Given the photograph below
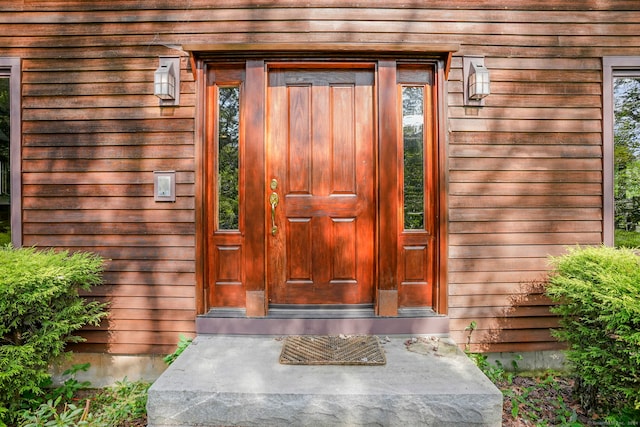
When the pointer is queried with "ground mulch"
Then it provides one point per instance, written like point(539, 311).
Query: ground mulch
point(542, 403)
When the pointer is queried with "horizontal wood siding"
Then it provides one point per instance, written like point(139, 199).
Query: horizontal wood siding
point(525, 182)
point(92, 136)
point(525, 171)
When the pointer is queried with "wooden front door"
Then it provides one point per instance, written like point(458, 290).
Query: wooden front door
point(321, 184)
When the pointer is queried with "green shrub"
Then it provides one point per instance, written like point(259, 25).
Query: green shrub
point(40, 309)
point(183, 343)
point(597, 293)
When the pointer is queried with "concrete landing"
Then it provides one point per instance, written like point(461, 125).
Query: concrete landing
point(237, 381)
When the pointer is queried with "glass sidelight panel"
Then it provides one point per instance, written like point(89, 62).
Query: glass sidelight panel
point(413, 143)
point(228, 157)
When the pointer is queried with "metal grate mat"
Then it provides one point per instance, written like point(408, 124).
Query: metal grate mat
point(332, 350)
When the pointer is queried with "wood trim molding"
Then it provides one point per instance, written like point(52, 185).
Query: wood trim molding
point(388, 164)
point(426, 50)
point(440, 300)
point(366, 50)
point(200, 197)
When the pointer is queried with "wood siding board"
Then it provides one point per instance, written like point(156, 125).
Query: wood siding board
point(540, 113)
point(499, 264)
point(180, 253)
point(107, 165)
point(498, 312)
point(149, 278)
point(523, 250)
point(108, 152)
point(381, 12)
point(106, 215)
point(114, 240)
point(517, 189)
point(523, 202)
point(106, 190)
point(103, 113)
point(528, 5)
point(133, 302)
point(483, 239)
point(76, 102)
point(492, 176)
point(530, 164)
point(526, 138)
point(107, 126)
point(504, 288)
point(488, 278)
point(455, 99)
point(506, 125)
point(460, 228)
point(151, 314)
point(95, 202)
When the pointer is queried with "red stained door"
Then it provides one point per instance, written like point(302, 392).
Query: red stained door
point(320, 180)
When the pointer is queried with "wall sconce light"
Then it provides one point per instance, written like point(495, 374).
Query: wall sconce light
point(166, 81)
point(476, 80)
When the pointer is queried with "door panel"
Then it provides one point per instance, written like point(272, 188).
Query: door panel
point(320, 136)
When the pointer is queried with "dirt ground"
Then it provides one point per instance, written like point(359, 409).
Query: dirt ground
point(538, 403)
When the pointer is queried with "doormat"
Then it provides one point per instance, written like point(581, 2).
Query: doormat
point(332, 350)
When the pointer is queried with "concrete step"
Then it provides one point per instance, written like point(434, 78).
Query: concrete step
point(237, 381)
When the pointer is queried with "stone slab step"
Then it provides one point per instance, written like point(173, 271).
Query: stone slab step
point(223, 380)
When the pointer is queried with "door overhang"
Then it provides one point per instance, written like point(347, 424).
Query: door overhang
point(352, 51)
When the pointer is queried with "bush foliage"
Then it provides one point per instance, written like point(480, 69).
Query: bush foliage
point(596, 290)
point(40, 309)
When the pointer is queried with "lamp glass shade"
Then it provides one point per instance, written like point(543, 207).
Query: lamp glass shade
point(164, 86)
point(479, 84)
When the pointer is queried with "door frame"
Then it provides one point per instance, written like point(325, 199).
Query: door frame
point(386, 57)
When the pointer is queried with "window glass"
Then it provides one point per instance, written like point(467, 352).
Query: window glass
point(5, 175)
point(413, 143)
point(626, 170)
point(228, 157)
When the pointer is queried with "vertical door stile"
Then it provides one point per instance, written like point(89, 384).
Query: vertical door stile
point(388, 189)
point(254, 262)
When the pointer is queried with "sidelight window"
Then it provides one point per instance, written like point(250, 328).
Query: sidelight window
point(413, 155)
point(228, 157)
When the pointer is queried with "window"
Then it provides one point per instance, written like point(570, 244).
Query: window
point(10, 208)
point(228, 157)
point(413, 149)
point(622, 151)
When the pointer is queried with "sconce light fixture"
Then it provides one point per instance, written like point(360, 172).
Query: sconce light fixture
point(476, 80)
point(166, 81)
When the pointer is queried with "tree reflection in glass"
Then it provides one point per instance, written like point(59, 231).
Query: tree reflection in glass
point(413, 139)
point(228, 157)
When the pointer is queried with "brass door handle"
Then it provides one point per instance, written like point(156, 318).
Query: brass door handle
point(273, 200)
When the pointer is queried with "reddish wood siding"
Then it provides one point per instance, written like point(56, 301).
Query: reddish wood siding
point(525, 182)
point(525, 171)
